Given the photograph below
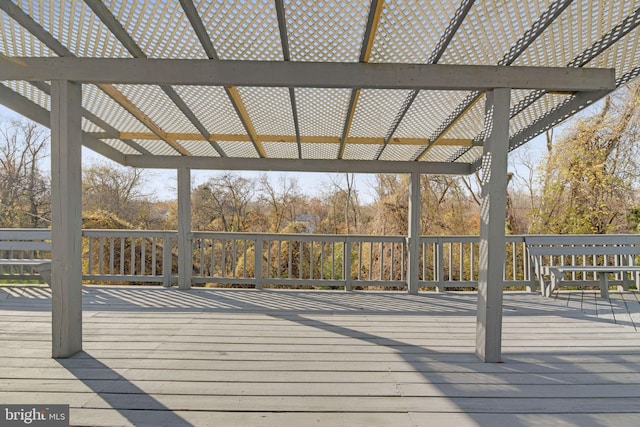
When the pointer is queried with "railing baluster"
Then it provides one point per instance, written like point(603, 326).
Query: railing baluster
point(359, 260)
point(234, 257)
point(311, 259)
point(381, 260)
point(122, 255)
point(257, 271)
point(224, 258)
point(90, 266)
point(143, 256)
point(111, 255)
point(393, 261)
point(290, 261)
point(101, 256)
point(132, 265)
point(154, 249)
point(244, 258)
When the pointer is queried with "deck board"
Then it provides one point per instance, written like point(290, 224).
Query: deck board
point(157, 356)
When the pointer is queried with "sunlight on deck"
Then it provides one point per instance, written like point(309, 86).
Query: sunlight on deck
point(156, 356)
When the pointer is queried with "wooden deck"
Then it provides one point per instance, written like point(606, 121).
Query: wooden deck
point(156, 356)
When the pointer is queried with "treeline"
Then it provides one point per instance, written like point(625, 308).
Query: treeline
point(586, 183)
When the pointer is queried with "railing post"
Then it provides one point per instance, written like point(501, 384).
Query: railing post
point(257, 260)
point(185, 247)
point(414, 233)
point(346, 264)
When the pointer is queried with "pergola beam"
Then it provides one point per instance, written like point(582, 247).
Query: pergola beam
point(304, 74)
point(298, 165)
point(311, 139)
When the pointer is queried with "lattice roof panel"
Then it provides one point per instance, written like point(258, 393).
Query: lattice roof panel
point(212, 107)
point(160, 28)
point(120, 146)
point(238, 149)
point(155, 104)
point(490, 29)
point(322, 112)
point(428, 111)
point(243, 30)
point(30, 92)
point(559, 33)
point(376, 112)
point(199, 148)
point(269, 109)
point(403, 153)
point(440, 153)
point(76, 27)
point(157, 147)
point(17, 41)
point(469, 156)
point(100, 104)
point(279, 150)
point(326, 30)
point(409, 31)
point(320, 150)
point(361, 151)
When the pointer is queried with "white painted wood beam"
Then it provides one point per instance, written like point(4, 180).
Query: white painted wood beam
point(492, 223)
point(304, 74)
point(297, 165)
point(66, 218)
point(413, 260)
point(185, 251)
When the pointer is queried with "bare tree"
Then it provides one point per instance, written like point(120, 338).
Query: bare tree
point(24, 187)
point(115, 190)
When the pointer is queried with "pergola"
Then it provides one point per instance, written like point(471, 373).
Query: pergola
point(416, 87)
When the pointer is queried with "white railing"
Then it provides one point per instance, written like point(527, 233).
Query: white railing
point(294, 259)
point(124, 256)
point(301, 260)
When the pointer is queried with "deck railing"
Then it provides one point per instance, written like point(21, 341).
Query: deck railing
point(303, 260)
point(293, 259)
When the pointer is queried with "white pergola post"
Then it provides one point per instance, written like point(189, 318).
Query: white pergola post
point(414, 233)
point(66, 217)
point(492, 223)
point(185, 251)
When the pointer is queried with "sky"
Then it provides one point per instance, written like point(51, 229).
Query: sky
point(161, 184)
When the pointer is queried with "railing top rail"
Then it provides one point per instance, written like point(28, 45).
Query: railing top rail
point(25, 234)
point(294, 236)
point(127, 233)
point(583, 239)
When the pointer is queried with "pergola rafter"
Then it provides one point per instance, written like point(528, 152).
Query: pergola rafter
point(367, 44)
point(284, 40)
